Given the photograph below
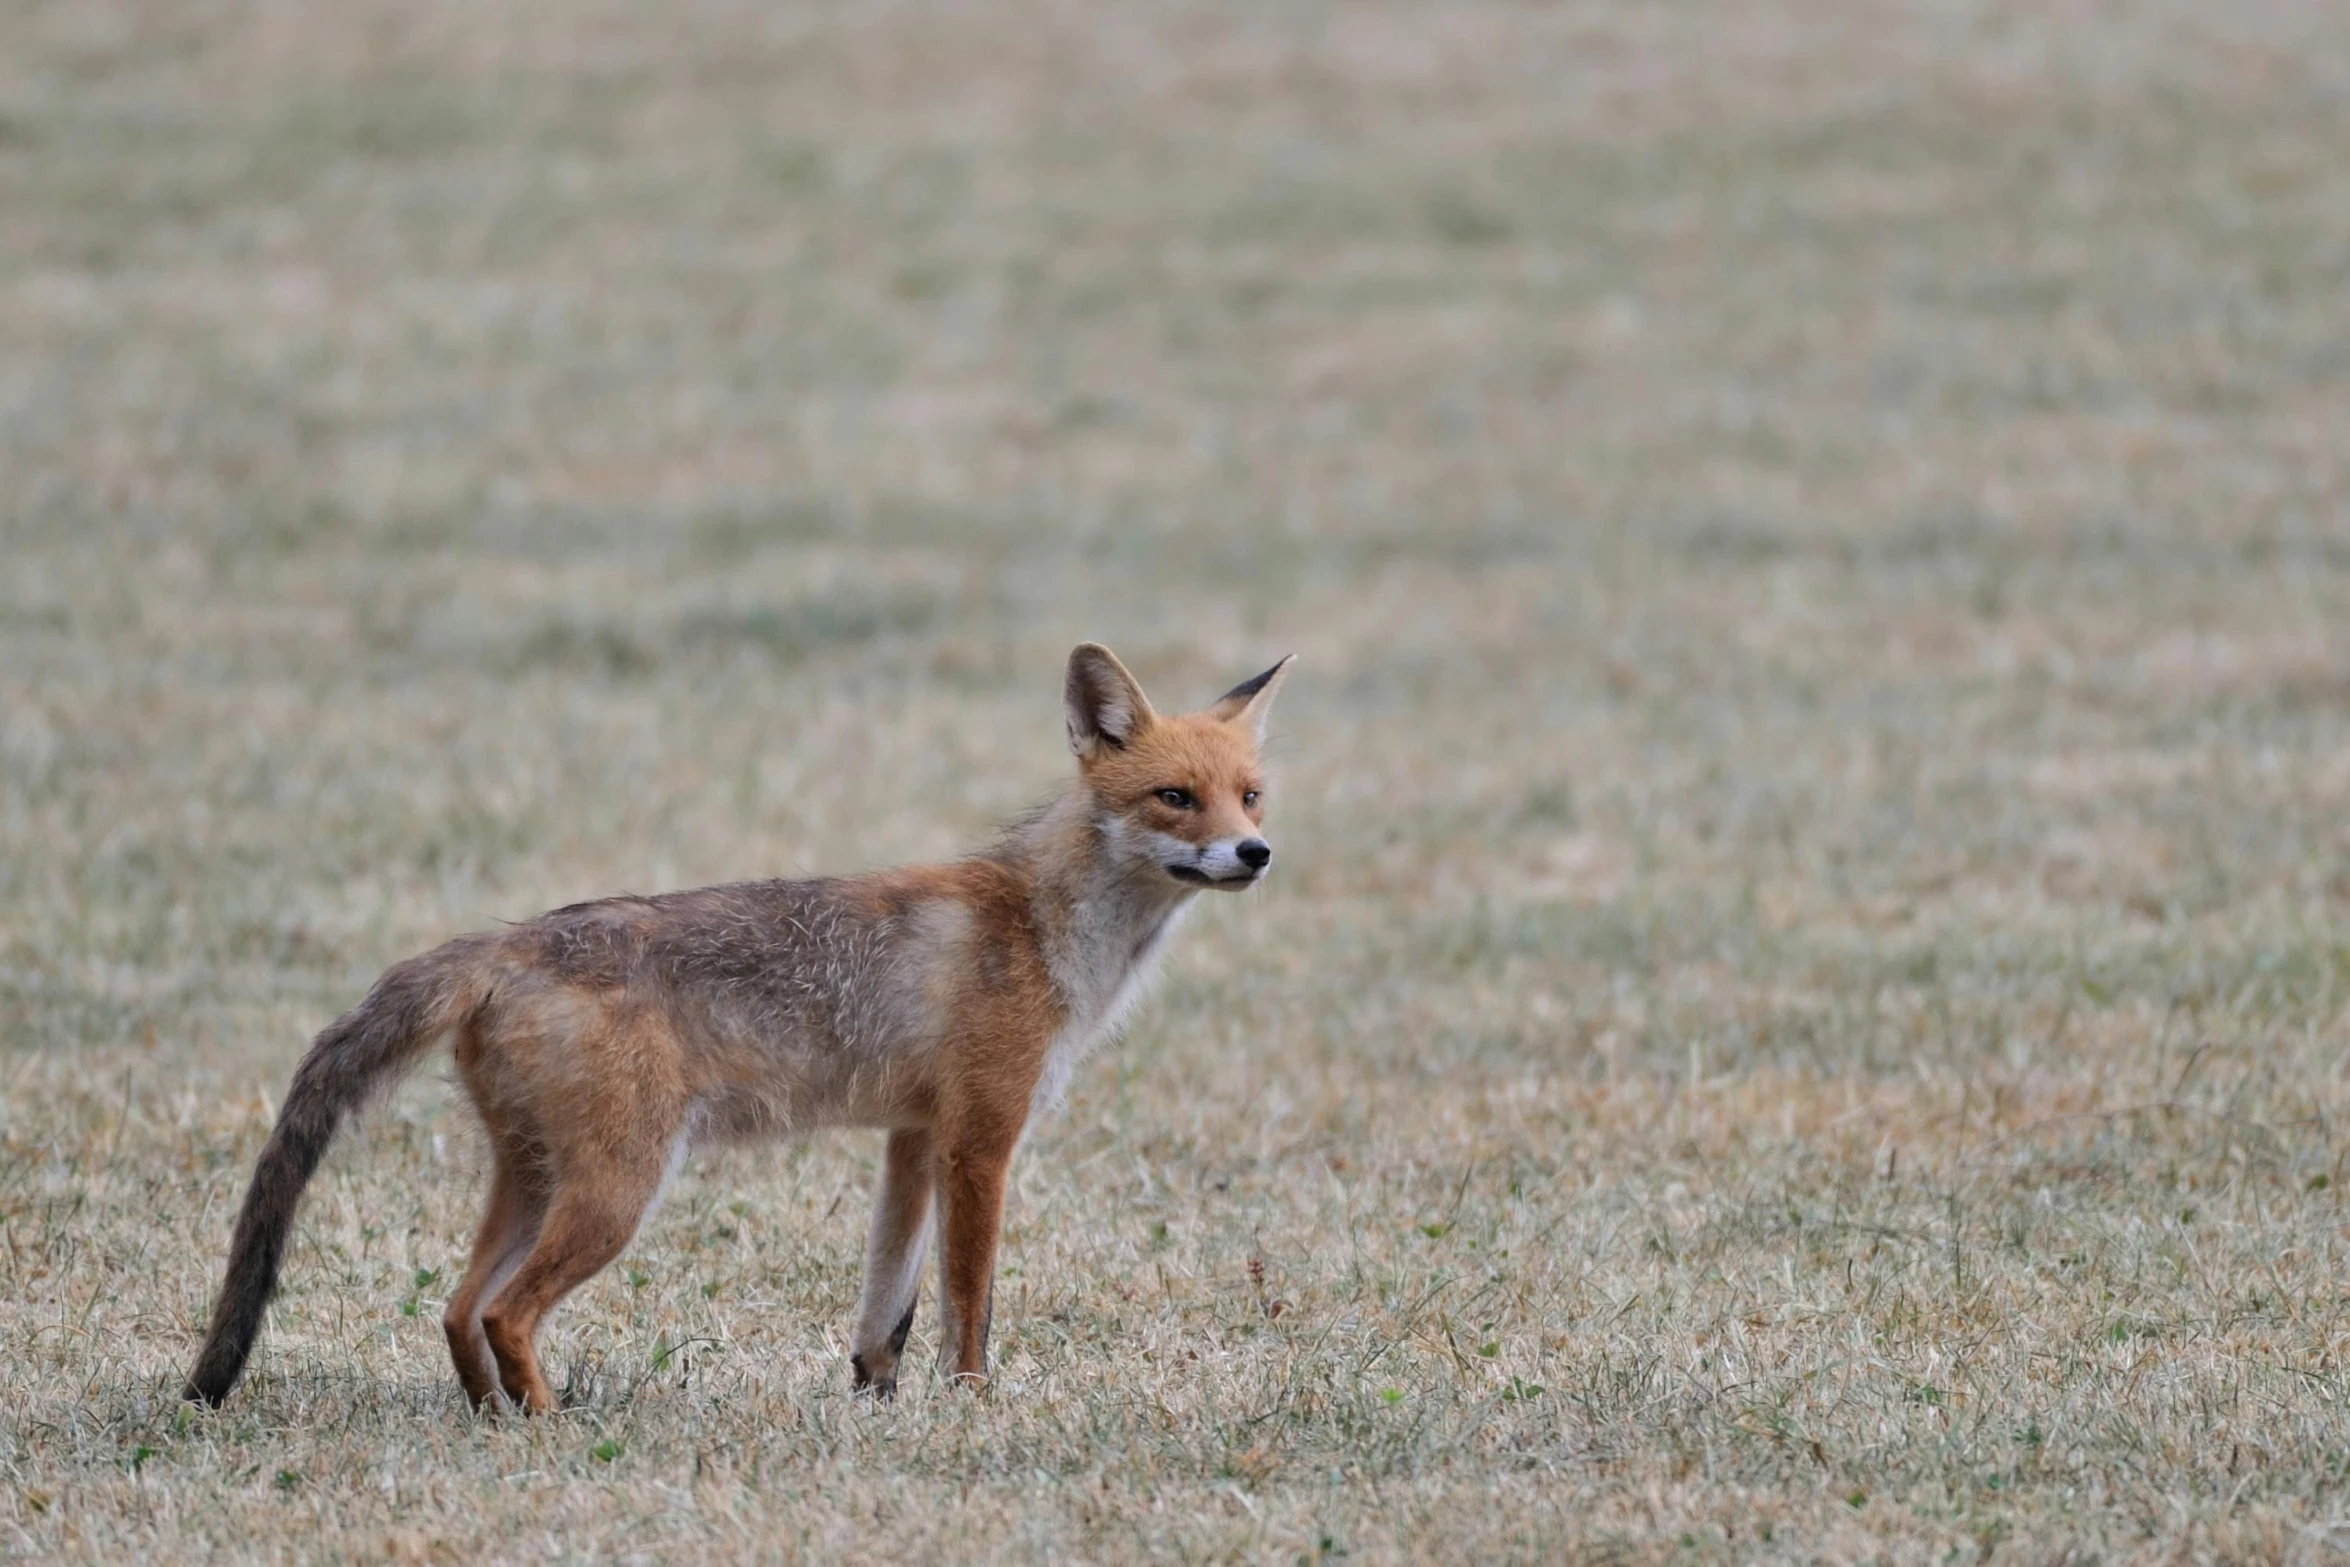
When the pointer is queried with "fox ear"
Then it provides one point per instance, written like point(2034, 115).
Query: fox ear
point(1249, 702)
point(1105, 706)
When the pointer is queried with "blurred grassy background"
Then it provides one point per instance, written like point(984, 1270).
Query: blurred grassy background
point(1819, 765)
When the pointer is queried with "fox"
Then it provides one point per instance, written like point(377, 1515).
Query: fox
point(945, 1005)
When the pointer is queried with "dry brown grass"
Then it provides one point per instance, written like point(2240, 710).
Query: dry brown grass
point(1804, 1014)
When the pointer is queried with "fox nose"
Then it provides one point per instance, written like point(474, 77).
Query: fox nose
point(1255, 853)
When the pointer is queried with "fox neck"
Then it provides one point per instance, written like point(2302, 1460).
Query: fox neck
point(1102, 919)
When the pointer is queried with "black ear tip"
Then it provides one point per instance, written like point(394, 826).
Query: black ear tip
point(1255, 683)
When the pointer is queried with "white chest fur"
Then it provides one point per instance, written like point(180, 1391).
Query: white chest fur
point(1103, 975)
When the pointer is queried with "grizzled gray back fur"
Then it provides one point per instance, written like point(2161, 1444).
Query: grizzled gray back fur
point(758, 958)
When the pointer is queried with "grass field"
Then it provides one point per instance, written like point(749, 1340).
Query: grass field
point(1805, 1010)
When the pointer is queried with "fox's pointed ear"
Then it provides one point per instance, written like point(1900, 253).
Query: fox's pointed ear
point(1105, 704)
point(1248, 702)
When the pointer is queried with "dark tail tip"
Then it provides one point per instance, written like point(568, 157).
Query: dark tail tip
point(210, 1394)
point(236, 1323)
point(221, 1363)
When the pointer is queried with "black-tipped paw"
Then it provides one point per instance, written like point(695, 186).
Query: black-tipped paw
point(864, 1381)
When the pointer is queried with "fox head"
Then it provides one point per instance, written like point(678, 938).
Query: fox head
point(1180, 796)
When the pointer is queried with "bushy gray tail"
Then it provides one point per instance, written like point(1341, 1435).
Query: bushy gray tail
point(359, 1053)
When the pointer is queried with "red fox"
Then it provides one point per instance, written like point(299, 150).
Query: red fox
point(944, 1004)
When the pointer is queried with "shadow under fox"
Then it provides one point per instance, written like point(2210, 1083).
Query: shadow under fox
point(943, 1003)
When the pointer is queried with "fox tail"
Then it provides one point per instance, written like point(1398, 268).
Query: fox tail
point(363, 1052)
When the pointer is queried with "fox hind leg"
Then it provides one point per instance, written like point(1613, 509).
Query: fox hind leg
point(893, 1263)
point(509, 1227)
point(591, 1217)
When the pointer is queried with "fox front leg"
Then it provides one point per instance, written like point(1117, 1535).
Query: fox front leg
point(893, 1264)
point(971, 1181)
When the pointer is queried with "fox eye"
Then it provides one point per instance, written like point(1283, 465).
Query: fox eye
point(1180, 799)
point(1248, 799)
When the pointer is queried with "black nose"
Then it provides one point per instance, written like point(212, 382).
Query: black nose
point(1255, 853)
